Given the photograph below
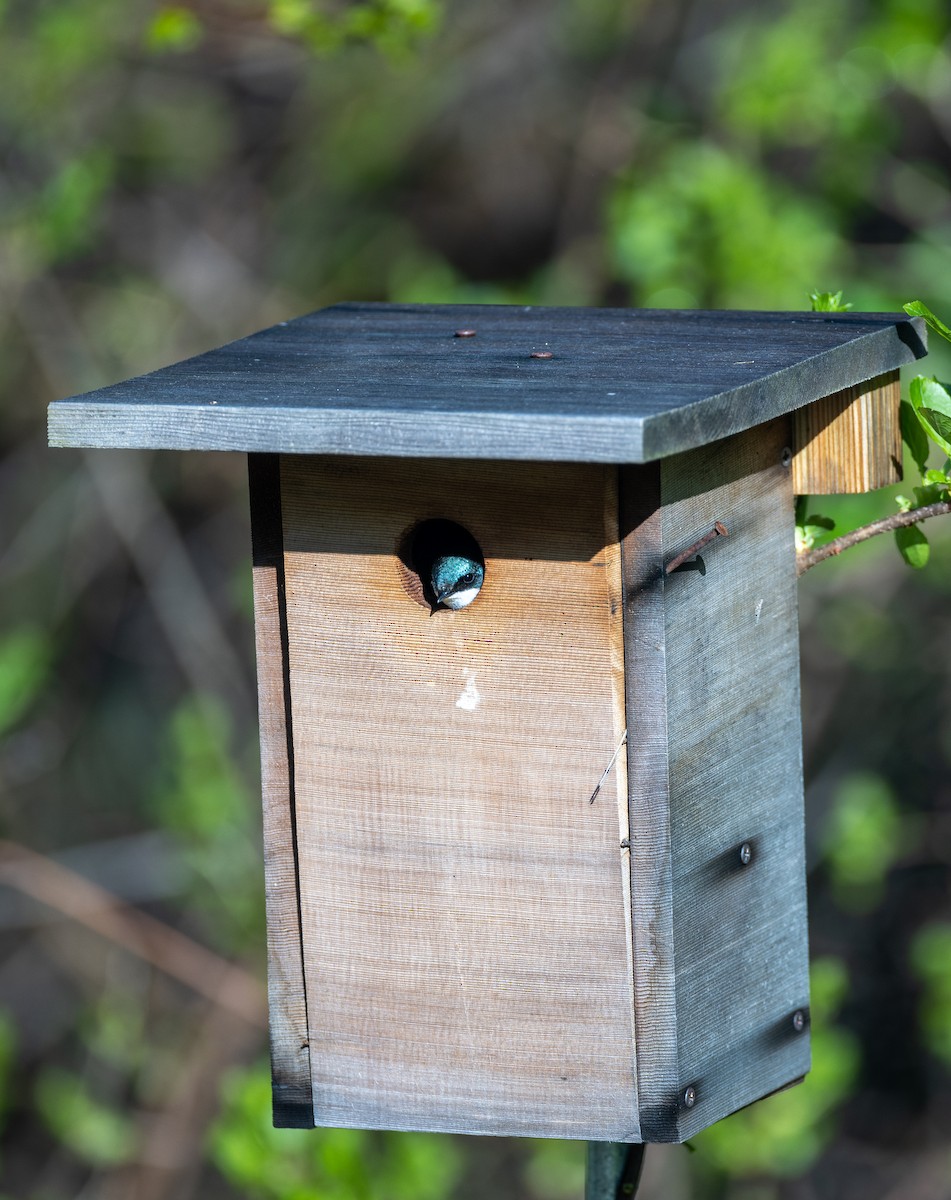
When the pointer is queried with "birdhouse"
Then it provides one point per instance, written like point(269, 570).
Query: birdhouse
point(525, 593)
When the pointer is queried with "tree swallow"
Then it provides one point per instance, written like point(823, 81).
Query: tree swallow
point(447, 560)
point(455, 579)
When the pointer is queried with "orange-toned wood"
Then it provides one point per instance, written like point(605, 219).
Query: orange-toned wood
point(466, 923)
point(850, 441)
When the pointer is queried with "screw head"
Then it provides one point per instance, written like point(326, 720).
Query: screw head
point(786, 457)
point(745, 854)
point(799, 1020)
point(689, 1096)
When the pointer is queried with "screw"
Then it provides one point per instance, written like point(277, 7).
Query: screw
point(799, 1020)
point(464, 333)
point(542, 354)
point(625, 843)
point(786, 457)
point(746, 854)
point(718, 530)
point(689, 1096)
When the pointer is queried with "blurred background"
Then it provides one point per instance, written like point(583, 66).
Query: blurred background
point(176, 176)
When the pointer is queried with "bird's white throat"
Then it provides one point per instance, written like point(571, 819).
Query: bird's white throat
point(461, 599)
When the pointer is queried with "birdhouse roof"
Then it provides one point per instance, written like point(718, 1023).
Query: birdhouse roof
point(492, 381)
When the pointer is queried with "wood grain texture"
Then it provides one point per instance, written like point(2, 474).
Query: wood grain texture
point(728, 965)
point(466, 940)
point(290, 1057)
point(645, 643)
point(850, 441)
point(622, 385)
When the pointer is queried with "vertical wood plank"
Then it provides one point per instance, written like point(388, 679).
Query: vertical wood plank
point(728, 966)
point(735, 761)
point(850, 441)
point(466, 945)
point(642, 563)
point(290, 1057)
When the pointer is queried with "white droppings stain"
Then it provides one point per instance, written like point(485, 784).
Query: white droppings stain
point(759, 609)
point(470, 699)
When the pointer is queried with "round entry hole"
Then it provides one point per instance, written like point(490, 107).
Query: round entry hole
point(441, 564)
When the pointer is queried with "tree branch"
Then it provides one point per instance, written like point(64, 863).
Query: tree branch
point(225, 983)
point(864, 532)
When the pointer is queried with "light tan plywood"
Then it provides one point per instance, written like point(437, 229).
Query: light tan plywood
point(464, 909)
point(850, 441)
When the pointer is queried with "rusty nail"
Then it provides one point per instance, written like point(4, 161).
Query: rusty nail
point(690, 1096)
point(799, 1020)
point(464, 333)
point(542, 354)
point(746, 854)
point(786, 457)
point(718, 530)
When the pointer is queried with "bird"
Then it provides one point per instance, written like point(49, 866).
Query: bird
point(455, 580)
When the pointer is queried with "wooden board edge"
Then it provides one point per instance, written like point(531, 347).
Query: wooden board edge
point(849, 442)
point(645, 676)
point(290, 1056)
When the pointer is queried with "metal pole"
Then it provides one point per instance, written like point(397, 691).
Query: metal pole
point(613, 1170)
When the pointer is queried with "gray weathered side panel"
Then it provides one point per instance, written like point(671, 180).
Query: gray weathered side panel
point(734, 760)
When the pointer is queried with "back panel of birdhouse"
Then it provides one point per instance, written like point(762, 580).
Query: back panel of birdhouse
point(464, 919)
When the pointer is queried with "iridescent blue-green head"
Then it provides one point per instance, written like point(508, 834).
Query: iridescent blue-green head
point(455, 579)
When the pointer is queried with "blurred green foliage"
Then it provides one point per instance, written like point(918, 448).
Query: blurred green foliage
point(206, 804)
point(175, 175)
point(931, 961)
point(785, 1133)
point(24, 669)
point(864, 836)
point(327, 1164)
point(100, 1135)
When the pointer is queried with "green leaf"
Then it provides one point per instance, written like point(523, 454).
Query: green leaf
point(941, 424)
point(99, 1135)
point(931, 962)
point(932, 404)
point(828, 302)
point(913, 435)
point(810, 528)
point(24, 668)
point(174, 28)
point(916, 309)
point(929, 493)
point(913, 546)
point(935, 476)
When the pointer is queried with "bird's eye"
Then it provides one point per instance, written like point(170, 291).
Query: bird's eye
point(467, 578)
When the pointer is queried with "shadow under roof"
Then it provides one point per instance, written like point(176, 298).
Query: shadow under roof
point(620, 385)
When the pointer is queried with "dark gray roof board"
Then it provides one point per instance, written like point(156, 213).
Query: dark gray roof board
point(620, 385)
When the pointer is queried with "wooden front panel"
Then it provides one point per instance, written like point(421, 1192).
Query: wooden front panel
point(465, 915)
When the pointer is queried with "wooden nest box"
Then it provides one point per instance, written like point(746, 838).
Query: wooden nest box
point(465, 932)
